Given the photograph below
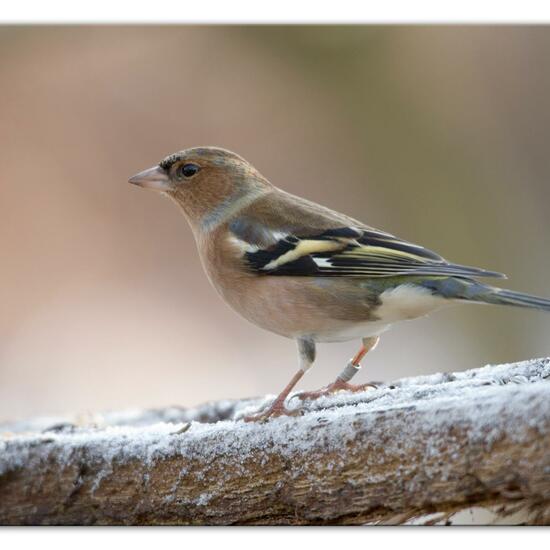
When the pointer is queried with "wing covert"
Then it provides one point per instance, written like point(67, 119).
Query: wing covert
point(345, 252)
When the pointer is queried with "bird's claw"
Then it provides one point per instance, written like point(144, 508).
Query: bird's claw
point(275, 410)
point(336, 387)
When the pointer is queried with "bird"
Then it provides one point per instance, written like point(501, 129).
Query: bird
point(304, 271)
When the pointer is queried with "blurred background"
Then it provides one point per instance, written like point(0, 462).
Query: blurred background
point(437, 134)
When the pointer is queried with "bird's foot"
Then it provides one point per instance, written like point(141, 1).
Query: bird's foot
point(337, 386)
point(277, 408)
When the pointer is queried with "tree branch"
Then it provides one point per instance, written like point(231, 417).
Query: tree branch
point(433, 444)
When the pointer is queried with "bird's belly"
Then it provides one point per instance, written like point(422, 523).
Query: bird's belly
point(397, 304)
point(354, 331)
point(298, 307)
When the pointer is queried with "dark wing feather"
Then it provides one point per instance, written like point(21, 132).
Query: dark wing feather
point(344, 252)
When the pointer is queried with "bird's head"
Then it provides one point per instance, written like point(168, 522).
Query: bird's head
point(206, 182)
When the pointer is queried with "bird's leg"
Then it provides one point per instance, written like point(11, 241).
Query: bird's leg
point(352, 368)
point(306, 349)
point(277, 408)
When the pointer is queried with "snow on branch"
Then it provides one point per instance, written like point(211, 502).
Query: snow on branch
point(426, 445)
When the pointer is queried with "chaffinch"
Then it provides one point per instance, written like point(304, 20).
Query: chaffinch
point(304, 271)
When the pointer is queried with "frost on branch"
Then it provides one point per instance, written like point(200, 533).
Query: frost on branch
point(421, 447)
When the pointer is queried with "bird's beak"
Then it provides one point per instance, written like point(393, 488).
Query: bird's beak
point(152, 178)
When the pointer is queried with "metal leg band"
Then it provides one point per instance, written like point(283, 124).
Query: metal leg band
point(349, 372)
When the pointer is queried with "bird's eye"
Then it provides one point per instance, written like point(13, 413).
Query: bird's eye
point(187, 170)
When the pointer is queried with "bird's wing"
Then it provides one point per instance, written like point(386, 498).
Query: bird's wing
point(341, 250)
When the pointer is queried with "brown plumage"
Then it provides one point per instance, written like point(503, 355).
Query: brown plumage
point(304, 271)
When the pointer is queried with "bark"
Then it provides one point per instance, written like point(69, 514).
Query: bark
point(435, 444)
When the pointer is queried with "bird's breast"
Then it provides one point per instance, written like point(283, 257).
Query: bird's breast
point(326, 310)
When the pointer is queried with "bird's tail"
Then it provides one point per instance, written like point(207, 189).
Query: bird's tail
point(501, 296)
point(473, 291)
